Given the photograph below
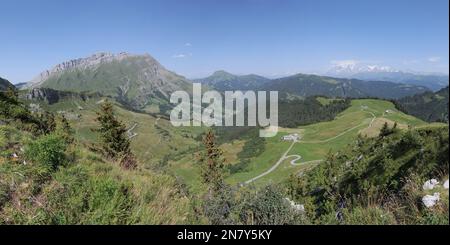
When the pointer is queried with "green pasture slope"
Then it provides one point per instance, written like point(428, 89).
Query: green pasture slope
point(154, 140)
point(321, 138)
point(317, 141)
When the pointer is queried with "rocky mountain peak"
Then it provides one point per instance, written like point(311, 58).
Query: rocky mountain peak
point(92, 61)
point(135, 80)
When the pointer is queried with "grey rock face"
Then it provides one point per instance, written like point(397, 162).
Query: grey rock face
point(81, 63)
point(52, 96)
point(134, 80)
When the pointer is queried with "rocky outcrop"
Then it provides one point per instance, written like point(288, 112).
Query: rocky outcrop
point(430, 184)
point(81, 63)
point(133, 80)
point(52, 96)
point(431, 200)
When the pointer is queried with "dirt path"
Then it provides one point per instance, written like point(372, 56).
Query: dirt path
point(298, 157)
point(130, 133)
point(283, 157)
point(343, 133)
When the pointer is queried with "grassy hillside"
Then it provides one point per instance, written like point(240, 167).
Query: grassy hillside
point(153, 139)
point(379, 180)
point(363, 117)
point(85, 189)
point(45, 179)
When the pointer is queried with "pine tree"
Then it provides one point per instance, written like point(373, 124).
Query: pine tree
point(217, 203)
point(385, 130)
point(47, 122)
point(395, 126)
point(212, 163)
point(12, 95)
point(64, 129)
point(114, 141)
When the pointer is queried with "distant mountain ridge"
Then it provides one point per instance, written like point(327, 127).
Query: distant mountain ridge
point(434, 82)
point(222, 80)
point(303, 85)
point(140, 81)
point(386, 73)
point(135, 80)
point(5, 84)
point(311, 85)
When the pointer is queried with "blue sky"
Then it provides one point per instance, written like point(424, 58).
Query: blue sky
point(196, 37)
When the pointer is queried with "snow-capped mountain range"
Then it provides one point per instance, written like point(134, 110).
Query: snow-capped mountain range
point(347, 68)
point(351, 69)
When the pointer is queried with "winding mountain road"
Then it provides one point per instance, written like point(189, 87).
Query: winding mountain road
point(274, 166)
point(343, 133)
point(130, 131)
point(296, 158)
